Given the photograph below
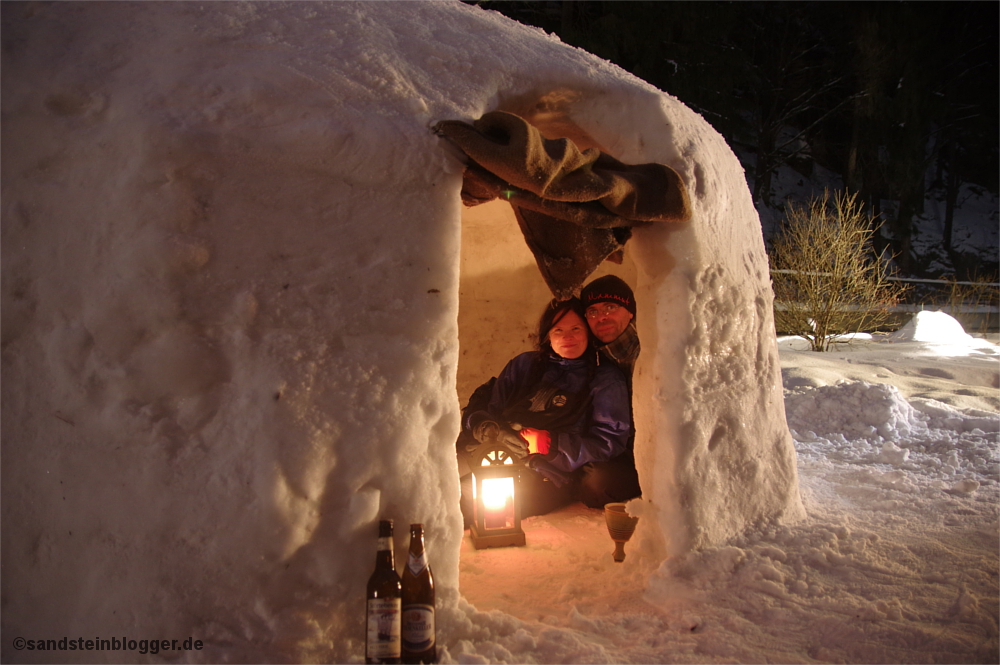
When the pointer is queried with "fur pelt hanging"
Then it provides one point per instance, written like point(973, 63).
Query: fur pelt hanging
point(576, 208)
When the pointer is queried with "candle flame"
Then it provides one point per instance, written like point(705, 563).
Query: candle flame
point(496, 492)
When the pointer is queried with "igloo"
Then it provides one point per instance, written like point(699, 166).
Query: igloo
point(242, 304)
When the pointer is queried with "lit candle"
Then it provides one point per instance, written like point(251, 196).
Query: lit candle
point(498, 496)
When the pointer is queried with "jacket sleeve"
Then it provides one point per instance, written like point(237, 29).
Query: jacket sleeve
point(504, 387)
point(604, 432)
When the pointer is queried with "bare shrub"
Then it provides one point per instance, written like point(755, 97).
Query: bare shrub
point(826, 276)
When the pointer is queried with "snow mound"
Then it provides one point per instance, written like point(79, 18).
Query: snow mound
point(936, 328)
point(942, 416)
point(855, 410)
point(873, 424)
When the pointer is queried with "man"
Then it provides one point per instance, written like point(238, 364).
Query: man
point(610, 307)
point(610, 312)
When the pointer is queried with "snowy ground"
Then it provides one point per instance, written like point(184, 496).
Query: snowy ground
point(897, 561)
point(230, 269)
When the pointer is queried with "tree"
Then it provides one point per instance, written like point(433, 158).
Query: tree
point(925, 75)
point(827, 279)
point(966, 128)
point(877, 92)
point(791, 84)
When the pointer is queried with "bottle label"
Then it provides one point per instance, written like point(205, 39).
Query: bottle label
point(418, 627)
point(384, 543)
point(417, 564)
point(384, 616)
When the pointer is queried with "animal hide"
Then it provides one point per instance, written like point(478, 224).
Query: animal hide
point(575, 207)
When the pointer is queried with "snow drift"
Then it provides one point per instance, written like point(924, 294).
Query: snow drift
point(231, 266)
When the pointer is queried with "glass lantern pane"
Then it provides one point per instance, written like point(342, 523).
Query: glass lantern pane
point(498, 503)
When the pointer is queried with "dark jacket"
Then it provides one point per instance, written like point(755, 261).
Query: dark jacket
point(551, 393)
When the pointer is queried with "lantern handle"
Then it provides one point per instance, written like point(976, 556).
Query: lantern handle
point(492, 454)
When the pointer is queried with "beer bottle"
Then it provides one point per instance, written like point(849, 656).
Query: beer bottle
point(382, 637)
point(419, 644)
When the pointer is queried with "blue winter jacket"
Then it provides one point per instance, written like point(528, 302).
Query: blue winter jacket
point(600, 433)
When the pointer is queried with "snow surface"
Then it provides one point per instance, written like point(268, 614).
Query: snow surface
point(897, 561)
point(231, 255)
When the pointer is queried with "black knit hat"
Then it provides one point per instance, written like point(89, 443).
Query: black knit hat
point(608, 289)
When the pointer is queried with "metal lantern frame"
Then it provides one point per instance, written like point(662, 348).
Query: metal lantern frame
point(498, 467)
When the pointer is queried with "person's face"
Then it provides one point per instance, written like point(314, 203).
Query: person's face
point(608, 320)
point(568, 336)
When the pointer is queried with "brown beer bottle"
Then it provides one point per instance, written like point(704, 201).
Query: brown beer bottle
point(384, 604)
point(419, 643)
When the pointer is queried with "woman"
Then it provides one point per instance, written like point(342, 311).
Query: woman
point(557, 407)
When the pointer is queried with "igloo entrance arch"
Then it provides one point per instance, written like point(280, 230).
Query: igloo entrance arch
point(706, 465)
point(230, 310)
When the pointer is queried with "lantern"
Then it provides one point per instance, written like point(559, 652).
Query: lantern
point(496, 508)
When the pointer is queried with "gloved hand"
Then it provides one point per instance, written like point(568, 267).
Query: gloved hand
point(513, 442)
point(540, 465)
point(494, 433)
point(486, 431)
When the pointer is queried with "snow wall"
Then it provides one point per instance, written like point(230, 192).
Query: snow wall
point(232, 266)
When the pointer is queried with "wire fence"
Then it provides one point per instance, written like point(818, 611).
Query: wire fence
point(995, 285)
point(975, 304)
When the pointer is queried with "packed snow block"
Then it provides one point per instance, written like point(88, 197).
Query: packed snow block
point(230, 264)
point(230, 278)
point(713, 450)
